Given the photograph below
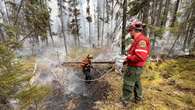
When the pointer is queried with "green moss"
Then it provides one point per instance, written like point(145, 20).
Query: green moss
point(166, 86)
point(186, 84)
point(189, 99)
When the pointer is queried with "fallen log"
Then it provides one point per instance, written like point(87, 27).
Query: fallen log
point(70, 63)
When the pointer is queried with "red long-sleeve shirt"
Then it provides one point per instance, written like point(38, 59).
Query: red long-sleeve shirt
point(139, 51)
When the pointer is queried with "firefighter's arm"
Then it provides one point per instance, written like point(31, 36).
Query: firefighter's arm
point(141, 52)
point(83, 63)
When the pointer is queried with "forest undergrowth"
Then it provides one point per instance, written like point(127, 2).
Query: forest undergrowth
point(168, 85)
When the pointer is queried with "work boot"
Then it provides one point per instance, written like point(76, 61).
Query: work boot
point(138, 100)
point(124, 102)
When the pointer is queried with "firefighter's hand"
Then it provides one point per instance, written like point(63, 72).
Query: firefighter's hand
point(125, 62)
point(91, 66)
point(128, 55)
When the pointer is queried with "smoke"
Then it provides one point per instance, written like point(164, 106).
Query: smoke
point(50, 72)
point(50, 57)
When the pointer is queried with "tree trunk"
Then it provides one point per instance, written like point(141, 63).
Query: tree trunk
point(190, 37)
point(107, 11)
point(152, 14)
point(158, 20)
point(89, 33)
point(62, 23)
point(155, 7)
point(32, 45)
point(103, 24)
point(171, 49)
point(50, 33)
point(77, 26)
point(18, 11)
point(186, 28)
point(192, 33)
point(124, 27)
point(186, 37)
point(2, 37)
point(17, 15)
point(89, 21)
point(175, 13)
point(6, 12)
point(154, 19)
point(112, 10)
point(98, 23)
point(145, 13)
point(165, 13)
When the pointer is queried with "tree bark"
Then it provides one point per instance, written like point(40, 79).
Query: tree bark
point(89, 33)
point(103, 24)
point(6, 12)
point(98, 23)
point(89, 21)
point(50, 33)
point(18, 11)
point(2, 37)
point(171, 49)
point(107, 11)
point(77, 26)
point(152, 14)
point(158, 20)
point(62, 23)
point(165, 13)
point(145, 13)
point(175, 13)
point(186, 37)
point(124, 27)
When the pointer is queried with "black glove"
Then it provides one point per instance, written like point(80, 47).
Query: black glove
point(125, 62)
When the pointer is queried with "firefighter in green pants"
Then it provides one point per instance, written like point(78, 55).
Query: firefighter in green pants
point(132, 83)
point(136, 59)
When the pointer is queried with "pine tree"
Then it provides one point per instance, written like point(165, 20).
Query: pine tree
point(14, 79)
point(61, 15)
point(15, 73)
point(74, 25)
point(124, 27)
point(37, 18)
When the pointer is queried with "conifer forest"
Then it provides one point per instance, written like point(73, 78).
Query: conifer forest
point(97, 54)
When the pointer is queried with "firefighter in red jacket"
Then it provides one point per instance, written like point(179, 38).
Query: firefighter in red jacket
point(136, 58)
point(86, 66)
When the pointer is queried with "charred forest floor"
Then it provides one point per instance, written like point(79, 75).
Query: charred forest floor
point(168, 85)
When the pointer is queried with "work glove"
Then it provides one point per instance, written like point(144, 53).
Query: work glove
point(125, 62)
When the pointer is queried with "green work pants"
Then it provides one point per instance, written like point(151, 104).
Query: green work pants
point(132, 84)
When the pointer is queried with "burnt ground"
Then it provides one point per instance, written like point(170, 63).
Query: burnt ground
point(167, 85)
point(96, 91)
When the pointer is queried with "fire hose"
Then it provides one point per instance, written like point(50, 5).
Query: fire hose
point(101, 77)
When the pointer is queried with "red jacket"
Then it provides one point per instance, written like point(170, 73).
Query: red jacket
point(86, 63)
point(139, 51)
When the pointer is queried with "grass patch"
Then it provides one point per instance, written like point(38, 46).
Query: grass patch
point(166, 86)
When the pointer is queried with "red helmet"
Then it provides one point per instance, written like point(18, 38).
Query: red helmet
point(135, 24)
